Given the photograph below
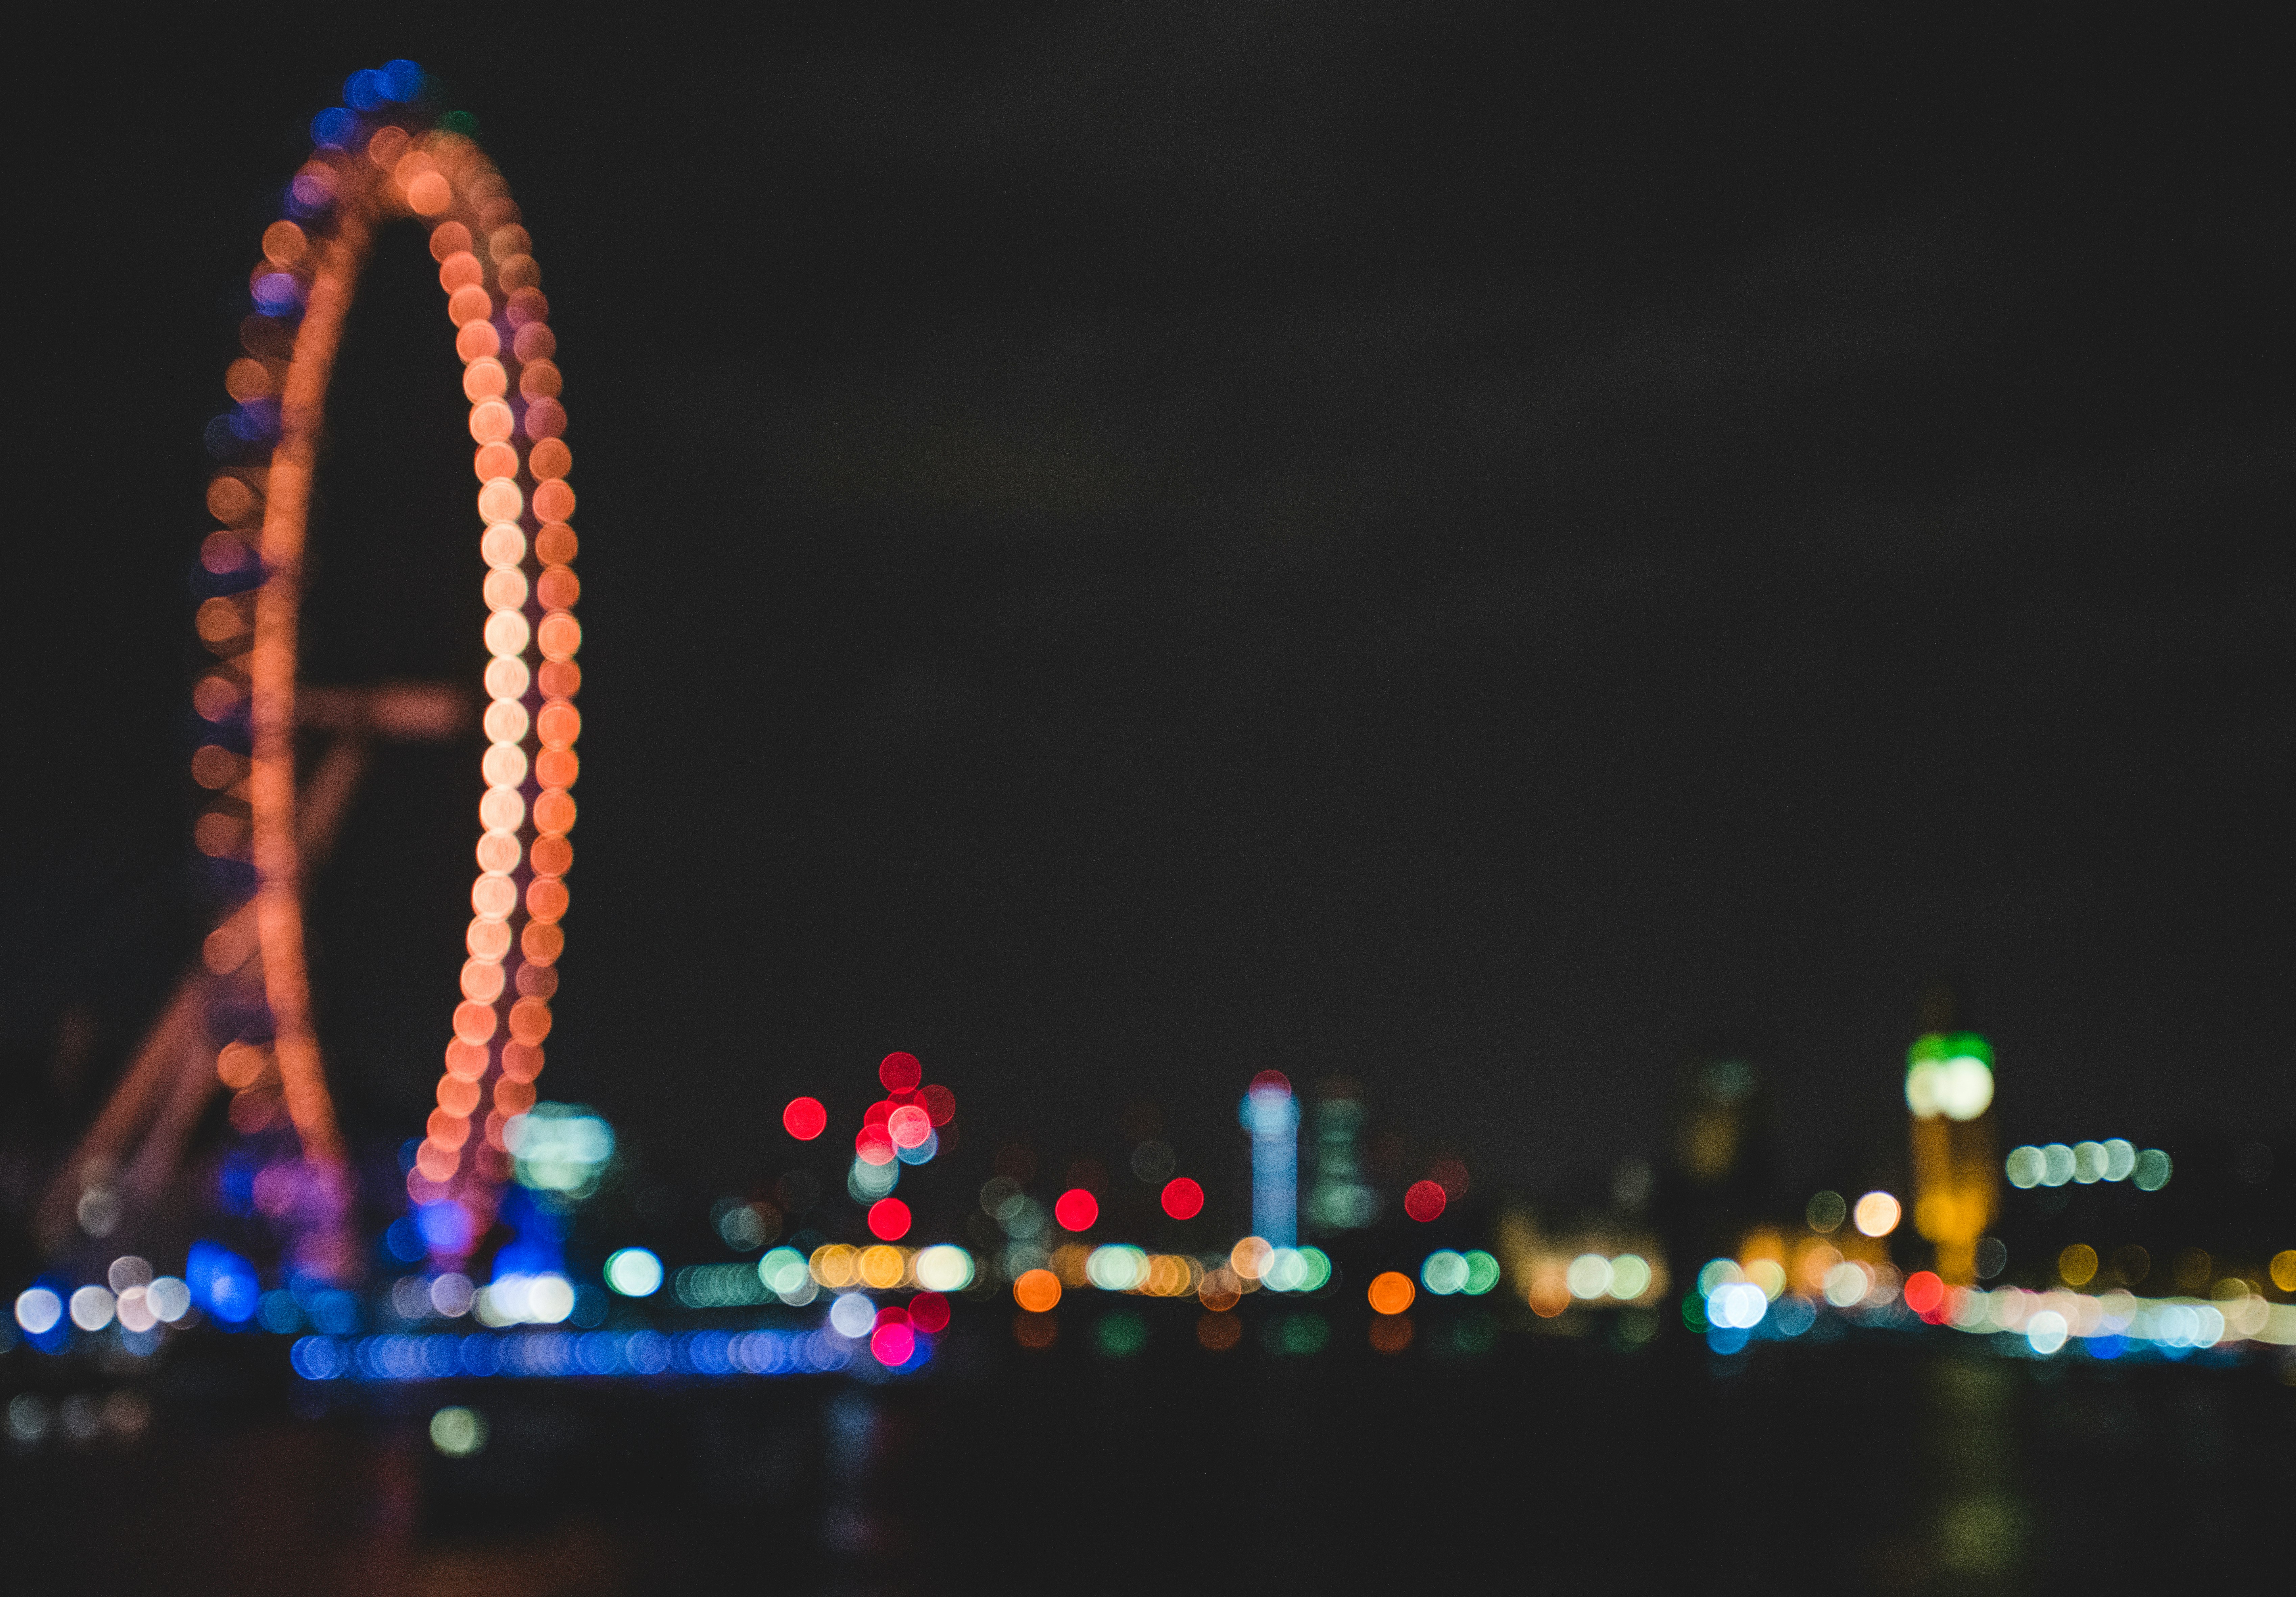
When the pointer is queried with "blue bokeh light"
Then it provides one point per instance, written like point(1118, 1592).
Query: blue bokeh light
point(365, 90)
point(334, 129)
point(221, 1282)
point(445, 1228)
point(402, 80)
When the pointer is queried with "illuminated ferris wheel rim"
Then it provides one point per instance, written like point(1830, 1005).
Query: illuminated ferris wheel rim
point(366, 172)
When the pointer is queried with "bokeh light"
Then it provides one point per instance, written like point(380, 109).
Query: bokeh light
point(1182, 1199)
point(889, 1218)
point(1391, 1292)
point(1037, 1290)
point(633, 1271)
point(458, 1432)
point(893, 1343)
point(944, 1268)
point(928, 1313)
point(1075, 1209)
point(1444, 1272)
point(1877, 1214)
point(1425, 1200)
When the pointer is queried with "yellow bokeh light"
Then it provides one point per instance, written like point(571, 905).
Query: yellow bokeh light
point(2076, 1264)
point(882, 1267)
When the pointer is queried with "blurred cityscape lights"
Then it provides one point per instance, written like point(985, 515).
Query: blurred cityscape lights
point(1182, 1199)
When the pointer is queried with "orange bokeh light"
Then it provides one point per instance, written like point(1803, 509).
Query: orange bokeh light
point(482, 980)
point(554, 544)
point(429, 194)
point(1037, 1290)
point(283, 242)
point(469, 304)
point(550, 458)
point(485, 378)
point(474, 1023)
point(1392, 1292)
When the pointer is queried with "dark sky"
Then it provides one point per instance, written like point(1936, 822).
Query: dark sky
point(1124, 546)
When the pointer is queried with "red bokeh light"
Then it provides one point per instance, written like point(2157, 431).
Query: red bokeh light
point(929, 1311)
point(1425, 1200)
point(938, 1103)
point(888, 1221)
point(909, 1127)
point(892, 1344)
point(1184, 1199)
point(1451, 1175)
point(892, 1313)
point(1272, 1078)
point(1075, 1209)
point(900, 1072)
point(879, 1112)
point(1924, 1292)
point(874, 1146)
point(805, 1119)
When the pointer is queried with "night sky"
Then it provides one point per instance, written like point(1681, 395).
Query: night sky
point(1127, 546)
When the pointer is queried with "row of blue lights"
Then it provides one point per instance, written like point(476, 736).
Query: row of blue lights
point(561, 1353)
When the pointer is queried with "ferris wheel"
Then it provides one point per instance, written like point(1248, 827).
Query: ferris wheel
point(241, 1017)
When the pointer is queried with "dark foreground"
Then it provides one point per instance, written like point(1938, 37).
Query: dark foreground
point(1894, 1465)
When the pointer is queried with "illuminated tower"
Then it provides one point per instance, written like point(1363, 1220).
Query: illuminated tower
point(1957, 1167)
point(1272, 1117)
point(1339, 1198)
